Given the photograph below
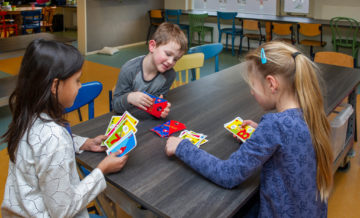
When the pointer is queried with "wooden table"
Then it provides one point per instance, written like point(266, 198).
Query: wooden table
point(18, 10)
point(7, 86)
point(168, 187)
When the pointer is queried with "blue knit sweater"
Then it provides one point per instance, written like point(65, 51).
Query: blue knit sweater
point(282, 146)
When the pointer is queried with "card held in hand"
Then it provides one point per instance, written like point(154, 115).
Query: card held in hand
point(158, 106)
point(243, 133)
point(125, 145)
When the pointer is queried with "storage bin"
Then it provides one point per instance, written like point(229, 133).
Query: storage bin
point(339, 128)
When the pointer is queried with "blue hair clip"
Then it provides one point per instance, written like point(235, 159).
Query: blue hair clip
point(263, 56)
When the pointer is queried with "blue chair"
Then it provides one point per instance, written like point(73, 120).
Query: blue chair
point(209, 50)
point(233, 31)
point(31, 20)
point(173, 16)
point(86, 95)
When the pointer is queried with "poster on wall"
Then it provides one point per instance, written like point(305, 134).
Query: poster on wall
point(296, 6)
point(240, 6)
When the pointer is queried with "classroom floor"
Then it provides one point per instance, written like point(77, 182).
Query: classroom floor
point(344, 200)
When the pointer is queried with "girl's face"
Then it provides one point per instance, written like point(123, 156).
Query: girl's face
point(165, 56)
point(68, 90)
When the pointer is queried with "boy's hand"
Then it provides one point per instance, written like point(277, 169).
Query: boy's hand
point(171, 145)
point(140, 99)
point(250, 123)
point(112, 164)
point(166, 111)
point(94, 144)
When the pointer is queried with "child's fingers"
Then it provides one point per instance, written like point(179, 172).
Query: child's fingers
point(161, 96)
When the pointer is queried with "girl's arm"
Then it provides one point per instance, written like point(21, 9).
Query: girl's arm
point(60, 188)
point(237, 168)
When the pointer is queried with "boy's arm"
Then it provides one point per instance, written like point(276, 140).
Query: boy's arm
point(122, 90)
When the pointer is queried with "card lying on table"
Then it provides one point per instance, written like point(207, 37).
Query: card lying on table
point(195, 138)
point(168, 128)
point(126, 144)
point(158, 106)
point(243, 133)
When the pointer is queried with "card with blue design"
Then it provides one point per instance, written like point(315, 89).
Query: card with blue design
point(158, 106)
point(125, 145)
point(168, 128)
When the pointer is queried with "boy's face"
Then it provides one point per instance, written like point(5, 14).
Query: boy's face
point(166, 55)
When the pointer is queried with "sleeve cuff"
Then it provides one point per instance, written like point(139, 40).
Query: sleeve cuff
point(78, 142)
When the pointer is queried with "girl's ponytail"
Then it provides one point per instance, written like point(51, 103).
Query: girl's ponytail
point(311, 102)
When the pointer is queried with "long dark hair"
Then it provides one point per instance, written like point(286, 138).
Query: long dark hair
point(43, 62)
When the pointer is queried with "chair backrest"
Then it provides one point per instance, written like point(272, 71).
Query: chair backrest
point(2, 18)
point(86, 95)
point(253, 25)
point(345, 37)
point(282, 28)
point(334, 58)
point(197, 21)
point(209, 51)
point(156, 17)
point(173, 16)
point(186, 63)
point(226, 16)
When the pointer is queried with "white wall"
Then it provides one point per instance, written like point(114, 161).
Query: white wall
point(326, 9)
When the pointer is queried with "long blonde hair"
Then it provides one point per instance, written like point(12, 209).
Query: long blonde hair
point(284, 60)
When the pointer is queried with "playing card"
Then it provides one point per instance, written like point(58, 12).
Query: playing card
point(158, 106)
point(123, 128)
point(235, 128)
point(126, 144)
point(168, 128)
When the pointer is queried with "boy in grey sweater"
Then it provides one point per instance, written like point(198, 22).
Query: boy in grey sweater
point(152, 73)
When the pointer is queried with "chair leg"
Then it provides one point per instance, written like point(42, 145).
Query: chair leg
point(248, 43)
point(232, 44)
point(312, 53)
point(226, 45)
point(148, 34)
point(240, 46)
point(79, 112)
point(212, 36)
point(220, 37)
point(199, 42)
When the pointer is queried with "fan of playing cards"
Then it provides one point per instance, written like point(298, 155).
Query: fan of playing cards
point(195, 138)
point(121, 134)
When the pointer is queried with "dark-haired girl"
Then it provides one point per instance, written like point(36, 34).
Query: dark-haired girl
point(42, 178)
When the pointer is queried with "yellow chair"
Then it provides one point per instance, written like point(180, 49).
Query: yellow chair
point(334, 58)
point(156, 18)
point(283, 29)
point(310, 30)
point(187, 63)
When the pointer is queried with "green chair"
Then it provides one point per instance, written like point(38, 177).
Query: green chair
point(196, 23)
point(345, 37)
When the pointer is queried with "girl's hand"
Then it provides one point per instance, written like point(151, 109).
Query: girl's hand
point(166, 111)
point(94, 144)
point(112, 163)
point(171, 145)
point(250, 123)
point(140, 99)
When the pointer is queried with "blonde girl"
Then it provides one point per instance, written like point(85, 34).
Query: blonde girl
point(291, 146)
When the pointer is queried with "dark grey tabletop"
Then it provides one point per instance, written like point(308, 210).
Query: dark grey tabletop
point(7, 86)
point(166, 185)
